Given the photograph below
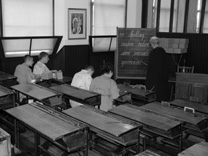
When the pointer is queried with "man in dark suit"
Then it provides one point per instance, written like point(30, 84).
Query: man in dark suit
point(157, 73)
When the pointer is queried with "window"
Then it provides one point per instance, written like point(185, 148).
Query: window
point(107, 15)
point(198, 15)
point(27, 17)
point(179, 15)
point(205, 26)
point(154, 13)
point(164, 16)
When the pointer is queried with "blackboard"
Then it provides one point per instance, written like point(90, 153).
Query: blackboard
point(131, 56)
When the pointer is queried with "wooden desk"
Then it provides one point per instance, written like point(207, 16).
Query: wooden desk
point(147, 118)
point(4, 76)
point(178, 114)
point(34, 91)
point(199, 149)
point(7, 98)
point(153, 123)
point(143, 95)
point(44, 123)
point(79, 95)
point(114, 130)
point(199, 107)
point(7, 79)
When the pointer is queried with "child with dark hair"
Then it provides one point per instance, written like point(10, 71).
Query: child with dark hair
point(82, 80)
point(105, 86)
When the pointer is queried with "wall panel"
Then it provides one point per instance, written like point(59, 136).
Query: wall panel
point(197, 54)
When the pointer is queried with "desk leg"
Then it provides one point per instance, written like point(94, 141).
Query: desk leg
point(180, 143)
point(17, 96)
point(181, 140)
point(67, 104)
point(138, 142)
point(37, 143)
point(13, 100)
point(16, 133)
point(86, 148)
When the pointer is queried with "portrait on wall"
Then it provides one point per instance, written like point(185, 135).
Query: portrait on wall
point(77, 23)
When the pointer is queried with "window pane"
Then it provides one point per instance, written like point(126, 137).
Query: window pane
point(108, 14)
point(27, 17)
point(15, 46)
point(44, 44)
point(20, 46)
point(104, 44)
point(154, 13)
point(205, 26)
point(198, 15)
point(164, 16)
point(178, 15)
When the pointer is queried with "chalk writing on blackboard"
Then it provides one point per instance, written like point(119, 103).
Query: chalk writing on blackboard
point(136, 34)
point(133, 48)
point(127, 45)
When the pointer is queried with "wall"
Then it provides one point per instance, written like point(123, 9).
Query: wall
point(76, 53)
point(197, 50)
point(61, 18)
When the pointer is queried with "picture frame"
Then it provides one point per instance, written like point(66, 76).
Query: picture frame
point(77, 23)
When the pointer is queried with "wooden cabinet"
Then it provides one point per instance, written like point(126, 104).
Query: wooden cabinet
point(192, 86)
point(183, 91)
point(199, 92)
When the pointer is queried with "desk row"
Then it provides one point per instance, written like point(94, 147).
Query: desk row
point(121, 130)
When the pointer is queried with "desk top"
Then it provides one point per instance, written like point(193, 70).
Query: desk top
point(199, 107)
point(64, 80)
point(5, 76)
point(4, 91)
point(74, 91)
point(51, 82)
point(105, 123)
point(35, 91)
point(174, 113)
point(199, 149)
point(46, 124)
point(147, 118)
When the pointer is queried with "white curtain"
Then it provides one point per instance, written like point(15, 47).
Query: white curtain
point(108, 14)
point(27, 17)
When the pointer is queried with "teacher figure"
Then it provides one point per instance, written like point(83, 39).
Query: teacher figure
point(157, 74)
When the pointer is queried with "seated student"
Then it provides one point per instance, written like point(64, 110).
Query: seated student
point(23, 71)
point(105, 86)
point(82, 80)
point(24, 74)
point(40, 66)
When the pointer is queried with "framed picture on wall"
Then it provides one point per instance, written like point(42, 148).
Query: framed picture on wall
point(77, 23)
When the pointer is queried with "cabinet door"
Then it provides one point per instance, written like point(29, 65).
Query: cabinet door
point(199, 91)
point(183, 90)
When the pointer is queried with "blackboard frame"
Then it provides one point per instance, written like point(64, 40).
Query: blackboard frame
point(131, 55)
